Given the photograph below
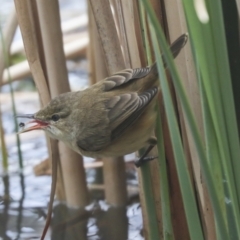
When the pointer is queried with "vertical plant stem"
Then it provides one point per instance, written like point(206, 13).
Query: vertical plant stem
point(7, 64)
point(151, 230)
point(31, 44)
point(114, 168)
point(8, 34)
point(151, 189)
point(7, 37)
point(3, 146)
point(56, 72)
point(165, 200)
point(145, 35)
point(185, 183)
point(192, 125)
point(108, 35)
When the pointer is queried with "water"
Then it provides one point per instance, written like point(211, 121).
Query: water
point(24, 197)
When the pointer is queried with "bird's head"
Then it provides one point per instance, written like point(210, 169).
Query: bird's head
point(54, 119)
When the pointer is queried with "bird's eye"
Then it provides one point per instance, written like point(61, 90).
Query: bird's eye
point(55, 117)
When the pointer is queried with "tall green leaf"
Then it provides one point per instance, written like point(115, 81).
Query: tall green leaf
point(198, 142)
point(209, 43)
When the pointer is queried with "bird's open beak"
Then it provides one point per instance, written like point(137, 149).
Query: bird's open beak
point(34, 124)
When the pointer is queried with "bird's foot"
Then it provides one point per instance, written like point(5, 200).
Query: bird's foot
point(143, 160)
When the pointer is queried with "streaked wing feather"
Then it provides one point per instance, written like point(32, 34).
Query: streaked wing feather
point(124, 76)
point(128, 75)
point(121, 112)
point(140, 72)
point(120, 107)
point(133, 113)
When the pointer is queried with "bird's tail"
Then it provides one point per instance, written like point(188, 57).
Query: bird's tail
point(175, 48)
point(148, 77)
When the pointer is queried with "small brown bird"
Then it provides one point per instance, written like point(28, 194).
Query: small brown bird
point(113, 117)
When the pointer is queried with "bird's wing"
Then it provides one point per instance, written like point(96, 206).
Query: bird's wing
point(126, 110)
point(122, 111)
point(127, 75)
point(124, 76)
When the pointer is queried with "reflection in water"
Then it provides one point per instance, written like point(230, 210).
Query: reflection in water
point(114, 224)
point(20, 207)
point(69, 224)
point(101, 222)
point(17, 221)
point(4, 215)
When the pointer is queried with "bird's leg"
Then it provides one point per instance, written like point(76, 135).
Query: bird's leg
point(144, 158)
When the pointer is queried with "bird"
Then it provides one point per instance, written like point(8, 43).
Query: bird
point(114, 117)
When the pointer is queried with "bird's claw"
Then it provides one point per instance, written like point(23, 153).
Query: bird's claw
point(141, 161)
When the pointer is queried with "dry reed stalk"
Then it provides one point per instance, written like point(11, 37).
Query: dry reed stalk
point(177, 25)
point(119, 22)
point(129, 31)
point(131, 28)
point(52, 144)
point(116, 198)
point(158, 6)
point(143, 62)
point(53, 47)
point(114, 168)
point(27, 23)
point(139, 34)
point(108, 35)
point(100, 66)
point(71, 162)
point(74, 177)
point(135, 50)
point(60, 191)
point(90, 51)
